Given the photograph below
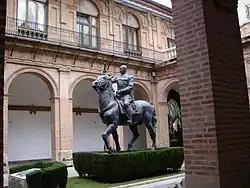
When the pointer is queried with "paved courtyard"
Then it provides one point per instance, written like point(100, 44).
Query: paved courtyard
point(166, 182)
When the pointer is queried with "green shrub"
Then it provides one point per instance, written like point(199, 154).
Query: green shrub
point(126, 166)
point(51, 175)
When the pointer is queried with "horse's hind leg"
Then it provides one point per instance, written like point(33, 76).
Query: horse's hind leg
point(116, 139)
point(152, 133)
point(135, 132)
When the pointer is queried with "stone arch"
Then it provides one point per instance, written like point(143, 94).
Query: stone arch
point(89, 8)
point(134, 17)
point(118, 11)
point(29, 86)
point(164, 28)
point(48, 79)
point(146, 89)
point(166, 88)
point(78, 80)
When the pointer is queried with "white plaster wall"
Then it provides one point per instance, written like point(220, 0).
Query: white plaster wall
point(88, 127)
point(87, 132)
point(28, 89)
point(29, 135)
point(84, 96)
point(140, 143)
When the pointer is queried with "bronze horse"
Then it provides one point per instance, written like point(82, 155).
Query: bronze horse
point(111, 113)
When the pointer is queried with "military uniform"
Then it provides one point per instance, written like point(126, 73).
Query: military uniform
point(125, 83)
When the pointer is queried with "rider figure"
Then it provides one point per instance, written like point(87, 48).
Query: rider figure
point(125, 83)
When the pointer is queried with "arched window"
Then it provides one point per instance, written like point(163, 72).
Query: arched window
point(87, 14)
point(131, 33)
point(32, 14)
point(248, 11)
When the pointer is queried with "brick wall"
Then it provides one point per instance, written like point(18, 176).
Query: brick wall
point(214, 95)
point(2, 42)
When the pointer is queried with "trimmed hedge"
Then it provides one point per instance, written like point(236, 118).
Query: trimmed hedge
point(125, 166)
point(51, 175)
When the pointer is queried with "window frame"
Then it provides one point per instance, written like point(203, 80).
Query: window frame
point(26, 21)
point(247, 10)
point(90, 26)
point(126, 28)
point(171, 43)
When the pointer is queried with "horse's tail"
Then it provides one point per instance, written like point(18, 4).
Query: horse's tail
point(154, 119)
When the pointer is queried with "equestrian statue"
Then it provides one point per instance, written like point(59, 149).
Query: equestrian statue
point(118, 108)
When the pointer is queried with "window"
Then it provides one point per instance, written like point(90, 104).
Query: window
point(32, 14)
point(171, 43)
point(131, 40)
point(130, 36)
point(248, 11)
point(87, 14)
point(87, 29)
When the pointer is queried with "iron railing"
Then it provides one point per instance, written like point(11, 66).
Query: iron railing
point(61, 36)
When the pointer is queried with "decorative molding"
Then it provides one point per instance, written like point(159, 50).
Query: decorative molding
point(64, 70)
point(48, 109)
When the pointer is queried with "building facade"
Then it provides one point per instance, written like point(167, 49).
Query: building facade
point(55, 49)
point(244, 21)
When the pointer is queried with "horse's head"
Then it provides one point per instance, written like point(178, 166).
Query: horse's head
point(101, 83)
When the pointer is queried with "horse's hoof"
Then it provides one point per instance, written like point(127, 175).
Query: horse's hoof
point(113, 150)
point(153, 148)
point(129, 150)
point(129, 147)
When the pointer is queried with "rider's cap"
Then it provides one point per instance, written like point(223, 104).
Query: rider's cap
point(124, 66)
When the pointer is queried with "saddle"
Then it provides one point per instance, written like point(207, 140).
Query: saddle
point(134, 107)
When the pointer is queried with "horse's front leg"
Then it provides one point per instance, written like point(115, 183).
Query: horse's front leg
point(109, 130)
point(116, 139)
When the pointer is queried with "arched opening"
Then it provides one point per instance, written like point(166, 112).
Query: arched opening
point(29, 119)
point(87, 15)
point(141, 142)
point(174, 118)
point(131, 34)
point(87, 124)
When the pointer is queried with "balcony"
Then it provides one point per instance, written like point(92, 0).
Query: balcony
point(54, 35)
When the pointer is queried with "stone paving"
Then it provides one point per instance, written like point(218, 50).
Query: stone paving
point(166, 182)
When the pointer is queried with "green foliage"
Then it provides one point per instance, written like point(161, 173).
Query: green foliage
point(125, 166)
point(174, 110)
point(51, 175)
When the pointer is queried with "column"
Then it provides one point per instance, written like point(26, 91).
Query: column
point(213, 91)
point(55, 128)
point(66, 120)
point(5, 133)
point(156, 106)
point(162, 136)
point(163, 125)
point(2, 50)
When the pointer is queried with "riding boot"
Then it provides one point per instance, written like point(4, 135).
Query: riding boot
point(129, 114)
